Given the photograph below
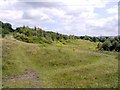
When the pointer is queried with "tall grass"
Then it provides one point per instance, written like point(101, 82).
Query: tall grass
point(74, 64)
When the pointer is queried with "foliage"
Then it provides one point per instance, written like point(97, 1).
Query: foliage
point(5, 28)
point(38, 35)
point(112, 44)
point(105, 43)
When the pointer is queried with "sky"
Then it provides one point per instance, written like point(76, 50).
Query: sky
point(72, 17)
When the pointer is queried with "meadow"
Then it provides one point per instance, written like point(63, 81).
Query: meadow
point(75, 64)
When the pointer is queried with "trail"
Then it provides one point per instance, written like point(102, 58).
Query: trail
point(21, 42)
point(27, 75)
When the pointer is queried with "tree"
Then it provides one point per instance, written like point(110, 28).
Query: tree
point(35, 28)
point(113, 45)
point(7, 26)
point(94, 39)
point(117, 48)
point(106, 45)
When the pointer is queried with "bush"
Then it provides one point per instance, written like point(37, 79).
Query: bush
point(99, 46)
point(106, 45)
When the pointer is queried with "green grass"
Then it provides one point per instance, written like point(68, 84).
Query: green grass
point(74, 64)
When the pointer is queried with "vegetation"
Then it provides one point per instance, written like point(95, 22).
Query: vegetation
point(45, 59)
point(5, 28)
point(106, 43)
point(37, 35)
point(76, 64)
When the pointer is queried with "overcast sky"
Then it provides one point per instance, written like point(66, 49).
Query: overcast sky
point(78, 17)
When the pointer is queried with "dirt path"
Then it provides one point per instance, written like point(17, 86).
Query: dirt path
point(25, 76)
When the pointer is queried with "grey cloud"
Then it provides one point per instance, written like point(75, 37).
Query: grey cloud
point(26, 15)
point(38, 4)
point(25, 5)
point(74, 12)
point(43, 4)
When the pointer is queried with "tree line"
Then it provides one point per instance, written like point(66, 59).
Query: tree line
point(105, 43)
point(38, 35)
point(34, 35)
point(5, 28)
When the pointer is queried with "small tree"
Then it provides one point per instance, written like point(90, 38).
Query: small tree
point(106, 45)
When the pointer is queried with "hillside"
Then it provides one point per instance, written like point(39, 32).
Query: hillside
point(40, 36)
point(57, 65)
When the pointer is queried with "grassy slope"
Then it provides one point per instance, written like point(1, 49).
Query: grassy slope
point(76, 64)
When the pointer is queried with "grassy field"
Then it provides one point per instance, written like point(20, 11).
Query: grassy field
point(76, 64)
